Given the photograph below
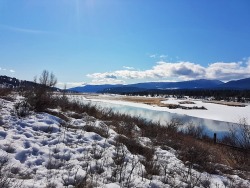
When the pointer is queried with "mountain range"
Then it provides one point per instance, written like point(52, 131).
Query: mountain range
point(138, 87)
point(241, 84)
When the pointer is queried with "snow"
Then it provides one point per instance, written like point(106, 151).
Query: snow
point(44, 152)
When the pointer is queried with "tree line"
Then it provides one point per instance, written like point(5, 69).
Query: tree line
point(217, 94)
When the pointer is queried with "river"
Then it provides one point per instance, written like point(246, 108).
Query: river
point(210, 126)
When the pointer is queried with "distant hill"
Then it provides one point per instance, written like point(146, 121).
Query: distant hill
point(202, 83)
point(93, 88)
point(123, 89)
point(9, 82)
point(237, 84)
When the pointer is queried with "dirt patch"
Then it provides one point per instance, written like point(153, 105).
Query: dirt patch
point(144, 100)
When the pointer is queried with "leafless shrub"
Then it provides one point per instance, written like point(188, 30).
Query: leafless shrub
point(120, 161)
point(51, 185)
point(83, 182)
point(5, 180)
point(120, 154)
point(97, 168)
point(53, 162)
point(232, 183)
point(195, 153)
point(4, 92)
point(96, 153)
point(76, 116)
point(174, 125)
point(70, 177)
point(134, 163)
point(102, 132)
point(22, 109)
point(194, 131)
point(39, 97)
point(206, 183)
point(58, 114)
point(148, 128)
point(24, 175)
point(191, 177)
point(1, 119)
point(239, 137)
point(124, 128)
point(239, 134)
point(6, 175)
point(152, 168)
point(136, 148)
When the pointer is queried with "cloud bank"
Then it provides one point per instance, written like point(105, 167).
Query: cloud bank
point(177, 72)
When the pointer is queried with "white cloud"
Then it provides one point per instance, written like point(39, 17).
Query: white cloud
point(70, 84)
point(129, 68)
point(228, 71)
point(163, 56)
point(106, 81)
point(153, 55)
point(105, 75)
point(160, 70)
point(9, 70)
point(179, 71)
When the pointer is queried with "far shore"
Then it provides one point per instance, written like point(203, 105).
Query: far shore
point(157, 101)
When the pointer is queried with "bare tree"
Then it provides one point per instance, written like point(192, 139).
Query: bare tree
point(40, 97)
point(47, 79)
point(239, 134)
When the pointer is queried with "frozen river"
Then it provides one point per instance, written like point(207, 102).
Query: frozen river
point(210, 126)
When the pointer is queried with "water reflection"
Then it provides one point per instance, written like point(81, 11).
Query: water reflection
point(210, 126)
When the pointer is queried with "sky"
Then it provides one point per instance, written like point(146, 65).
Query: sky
point(125, 41)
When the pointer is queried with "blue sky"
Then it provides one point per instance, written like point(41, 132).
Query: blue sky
point(125, 41)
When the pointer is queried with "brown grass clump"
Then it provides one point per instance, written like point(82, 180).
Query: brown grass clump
point(136, 148)
point(186, 102)
point(144, 100)
point(5, 92)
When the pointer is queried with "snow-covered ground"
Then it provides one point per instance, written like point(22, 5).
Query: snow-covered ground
point(45, 151)
point(214, 111)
